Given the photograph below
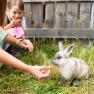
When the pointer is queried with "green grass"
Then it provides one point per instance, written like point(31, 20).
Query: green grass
point(12, 81)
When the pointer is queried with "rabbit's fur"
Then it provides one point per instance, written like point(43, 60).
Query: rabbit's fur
point(70, 68)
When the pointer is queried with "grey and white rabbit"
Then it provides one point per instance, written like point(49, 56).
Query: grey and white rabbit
point(70, 68)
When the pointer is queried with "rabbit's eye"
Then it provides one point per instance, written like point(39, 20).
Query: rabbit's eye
point(59, 57)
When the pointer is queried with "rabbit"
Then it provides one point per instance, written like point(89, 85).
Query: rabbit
point(70, 68)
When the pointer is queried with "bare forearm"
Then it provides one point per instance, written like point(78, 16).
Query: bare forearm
point(8, 59)
point(10, 39)
point(13, 41)
point(37, 71)
point(8, 26)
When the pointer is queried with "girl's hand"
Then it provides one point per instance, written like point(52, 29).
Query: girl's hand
point(29, 44)
point(21, 44)
point(15, 23)
point(25, 44)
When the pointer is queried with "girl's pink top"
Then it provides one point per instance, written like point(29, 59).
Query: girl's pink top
point(17, 32)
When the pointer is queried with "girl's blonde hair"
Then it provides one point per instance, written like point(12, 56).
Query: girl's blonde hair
point(19, 3)
point(2, 11)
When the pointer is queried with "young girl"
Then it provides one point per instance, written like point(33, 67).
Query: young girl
point(15, 14)
point(14, 23)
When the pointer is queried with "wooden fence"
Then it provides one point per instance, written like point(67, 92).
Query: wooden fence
point(60, 15)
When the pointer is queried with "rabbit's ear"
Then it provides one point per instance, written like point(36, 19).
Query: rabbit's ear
point(69, 49)
point(61, 48)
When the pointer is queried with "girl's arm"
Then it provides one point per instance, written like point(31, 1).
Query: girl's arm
point(13, 41)
point(8, 26)
point(13, 23)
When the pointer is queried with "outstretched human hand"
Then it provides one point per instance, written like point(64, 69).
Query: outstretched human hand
point(40, 71)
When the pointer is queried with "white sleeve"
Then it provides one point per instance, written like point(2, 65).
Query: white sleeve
point(24, 23)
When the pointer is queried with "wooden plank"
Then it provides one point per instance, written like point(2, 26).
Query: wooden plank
point(49, 16)
point(28, 14)
point(59, 18)
point(85, 15)
point(37, 15)
point(60, 33)
point(55, 0)
point(92, 16)
point(72, 14)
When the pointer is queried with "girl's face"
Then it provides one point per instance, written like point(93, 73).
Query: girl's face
point(15, 13)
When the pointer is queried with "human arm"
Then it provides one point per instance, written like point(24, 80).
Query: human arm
point(8, 59)
point(26, 40)
point(26, 44)
point(17, 42)
point(13, 23)
point(4, 36)
point(37, 71)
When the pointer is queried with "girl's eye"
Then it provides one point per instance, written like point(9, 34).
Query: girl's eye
point(14, 12)
point(20, 13)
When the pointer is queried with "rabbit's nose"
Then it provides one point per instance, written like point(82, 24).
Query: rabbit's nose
point(52, 61)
